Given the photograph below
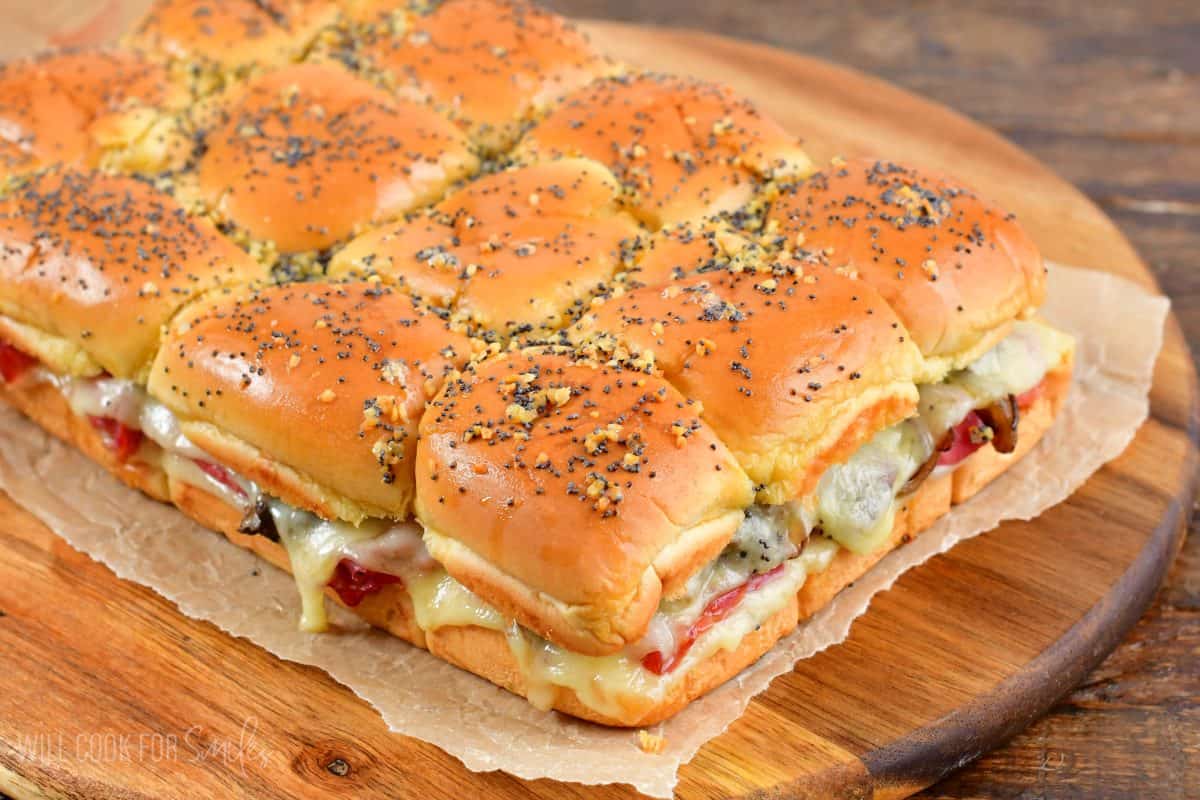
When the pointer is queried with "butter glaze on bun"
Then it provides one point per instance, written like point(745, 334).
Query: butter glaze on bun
point(87, 107)
point(571, 495)
point(102, 262)
point(489, 64)
point(313, 390)
point(682, 149)
point(692, 249)
point(304, 156)
point(955, 267)
point(795, 369)
point(225, 36)
point(515, 251)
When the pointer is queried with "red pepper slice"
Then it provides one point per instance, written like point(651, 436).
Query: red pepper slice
point(13, 362)
point(353, 582)
point(716, 610)
point(123, 440)
point(220, 475)
point(962, 444)
point(1029, 398)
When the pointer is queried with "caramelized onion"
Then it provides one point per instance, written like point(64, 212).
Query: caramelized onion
point(260, 522)
point(1002, 417)
point(918, 477)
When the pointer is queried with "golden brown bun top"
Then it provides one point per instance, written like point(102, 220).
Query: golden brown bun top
point(682, 149)
point(517, 250)
point(67, 107)
point(571, 477)
point(490, 64)
point(690, 249)
point(104, 261)
point(781, 359)
point(953, 265)
point(305, 155)
point(231, 33)
point(328, 379)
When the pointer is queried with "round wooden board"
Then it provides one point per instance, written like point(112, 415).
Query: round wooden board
point(963, 652)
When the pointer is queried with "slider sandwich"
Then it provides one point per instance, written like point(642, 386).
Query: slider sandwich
point(515, 252)
point(966, 281)
point(206, 44)
point(89, 108)
point(297, 410)
point(490, 65)
point(300, 158)
point(91, 267)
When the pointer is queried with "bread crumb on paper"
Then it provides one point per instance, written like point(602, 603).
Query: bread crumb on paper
point(651, 743)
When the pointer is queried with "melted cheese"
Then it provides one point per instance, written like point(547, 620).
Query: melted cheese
point(760, 544)
point(612, 684)
point(1016, 364)
point(856, 501)
point(115, 398)
point(439, 601)
point(314, 547)
point(185, 470)
point(618, 685)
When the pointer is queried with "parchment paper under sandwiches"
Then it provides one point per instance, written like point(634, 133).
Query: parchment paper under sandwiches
point(1118, 327)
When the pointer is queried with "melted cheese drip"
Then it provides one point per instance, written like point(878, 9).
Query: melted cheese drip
point(856, 501)
point(439, 601)
point(314, 547)
point(1016, 364)
point(617, 685)
point(116, 398)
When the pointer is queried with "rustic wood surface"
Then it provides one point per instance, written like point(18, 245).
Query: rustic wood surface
point(85, 654)
point(1105, 97)
point(1106, 93)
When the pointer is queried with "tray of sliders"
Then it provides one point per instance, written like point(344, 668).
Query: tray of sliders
point(576, 372)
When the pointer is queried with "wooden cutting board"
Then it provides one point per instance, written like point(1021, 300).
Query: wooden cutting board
point(962, 653)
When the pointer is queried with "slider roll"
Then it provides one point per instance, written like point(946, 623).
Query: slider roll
point(794, 370)
point(313, 390)
point(519, 251)
point(956, 268)
point(89, 108)
point(682, 149)
point(93, 265)
point(573, 495)
point(490, 65)
point(303, 157)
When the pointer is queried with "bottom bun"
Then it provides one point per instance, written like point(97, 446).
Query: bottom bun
point(486, 653)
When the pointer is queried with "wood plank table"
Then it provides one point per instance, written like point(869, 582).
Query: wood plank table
point(1108, 95)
